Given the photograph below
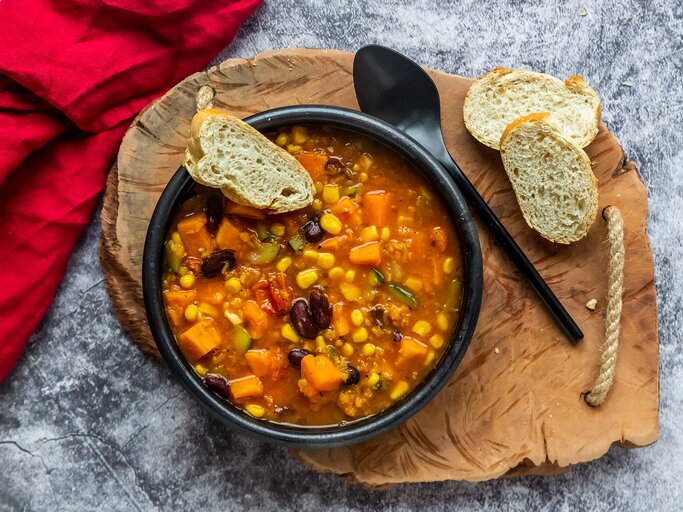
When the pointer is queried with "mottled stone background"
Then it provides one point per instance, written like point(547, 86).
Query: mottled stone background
point(89, 422)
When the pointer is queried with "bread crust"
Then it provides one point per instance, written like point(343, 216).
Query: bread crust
point(231, 188)
point(544, 119)
point(481, 109)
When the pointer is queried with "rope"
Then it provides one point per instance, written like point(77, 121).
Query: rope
point(615, 287)
point(205, 96)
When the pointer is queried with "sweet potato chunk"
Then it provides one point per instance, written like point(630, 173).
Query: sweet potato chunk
point(246, 387)
point(198, 340)
point(321, 372)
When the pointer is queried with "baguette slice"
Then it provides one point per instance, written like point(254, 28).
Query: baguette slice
point(503, 95)
point(552, 179)
point(226, 153)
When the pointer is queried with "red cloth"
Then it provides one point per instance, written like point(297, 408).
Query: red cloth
point(72, 75)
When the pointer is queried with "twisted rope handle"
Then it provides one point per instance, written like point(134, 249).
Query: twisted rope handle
point(615, 288)
point(205, 96)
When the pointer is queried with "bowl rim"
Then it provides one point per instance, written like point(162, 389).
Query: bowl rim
point(370, 426)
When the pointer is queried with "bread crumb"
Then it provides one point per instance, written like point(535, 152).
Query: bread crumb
point(496, 350)
point(584, 12)
point(591, 304)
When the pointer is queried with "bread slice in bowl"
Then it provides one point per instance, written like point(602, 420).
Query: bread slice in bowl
point(552, 178)
point(502, 95)
point(226, 153)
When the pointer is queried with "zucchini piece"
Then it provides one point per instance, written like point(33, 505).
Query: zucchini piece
point(262, 232)
point(174, 255)
point(353, 190)
point(297, 242)
point(375, 277)
point(241, 339)
point(403, 295)
point(264, 253)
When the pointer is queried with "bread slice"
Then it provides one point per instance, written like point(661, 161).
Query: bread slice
point(552, 178)
point(226, 153)
point(503, 95)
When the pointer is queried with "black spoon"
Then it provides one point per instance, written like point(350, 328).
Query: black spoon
point(397, 90)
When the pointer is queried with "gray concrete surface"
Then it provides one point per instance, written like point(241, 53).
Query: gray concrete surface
point(87, 422)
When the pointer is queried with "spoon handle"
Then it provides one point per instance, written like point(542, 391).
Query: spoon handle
point(515, 253)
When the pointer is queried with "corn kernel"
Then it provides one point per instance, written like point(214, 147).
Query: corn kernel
point(349, 276)
point(363, 177)
point(350, 291)
point(282, 139)
point(357, 317)
point(331, 194)
point(360, 335)
point(236, 303)
point(336, 273)
point(430, 357)
point(293, 148)
point(373, 380)
point(320, 342)
point(187, 281)
point(400, 389)
point(449, 265)
point(299, 134)
point(182, 270)
point(325, 260)
point(289, 333)
point(368, 349)
point(318, 187)
point(422, 327)
point(414, 284)
point(330, 223)
point(201, 370)
point(233, 284)
point(385, 234)
point(442, 321)
point(283, 264)
point(257, 411)
point(310, 255)
point(339, 343)
point(436, 341)
point(405, 221)
point(306, 278)
point(176, 237)
point(244, 236)
point(234, 318)
point(191, 313)
point(369, 234)
point(277, 229)
point(347, 350)
point(317, 204)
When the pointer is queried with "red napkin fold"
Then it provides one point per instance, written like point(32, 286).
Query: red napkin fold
point(72, 76)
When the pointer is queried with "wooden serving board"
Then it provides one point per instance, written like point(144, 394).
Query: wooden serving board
point(515, 404)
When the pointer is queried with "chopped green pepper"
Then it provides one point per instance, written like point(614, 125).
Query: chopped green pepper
point(403, 295)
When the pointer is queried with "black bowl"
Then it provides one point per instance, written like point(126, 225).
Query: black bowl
point(356, 431)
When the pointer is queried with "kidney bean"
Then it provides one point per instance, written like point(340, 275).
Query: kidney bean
point(397, 336)
point(295, 356)
point(312, 230)
point(377, 314)
point(321, 311)
point(214, 212)
point(217, 262)
point(217, 383)
point(300, 314)
point(353, 375)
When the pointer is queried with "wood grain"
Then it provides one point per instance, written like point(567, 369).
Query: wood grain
point(515, 405)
